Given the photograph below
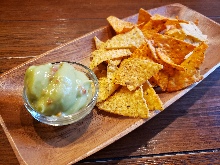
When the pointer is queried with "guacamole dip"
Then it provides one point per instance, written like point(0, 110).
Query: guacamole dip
point(57, 89)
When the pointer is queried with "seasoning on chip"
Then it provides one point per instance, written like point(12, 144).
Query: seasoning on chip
point(106, 88)
point(101, 55)
point(176, 33)
point(152, 99)
point(153, 26)
point(165, 58)
point(133, 72)
point(161, 79)
point(127, 103)
point(191, 74)
point(134, 38)
point(144, 52)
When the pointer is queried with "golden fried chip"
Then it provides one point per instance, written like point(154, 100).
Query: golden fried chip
point(114, 62)
point(159, 17)
point(175, 49)
point(106, 83)
point(106, 88)
point(176, 33)
point(133, 72)
point(161, 79)
point(143, 52)
point(127, 103)
point(98, 43)
point(103, 89)
point(153, 50)
point(152, 99)
point(153, 26)
point(192, 30)
point(183, 79)
point(112, 67)
point(101, 55)
point(143, 16)
point(168, 21)
point(120, 26)
point(131, 39)
point(165, 58)
point(166, 67)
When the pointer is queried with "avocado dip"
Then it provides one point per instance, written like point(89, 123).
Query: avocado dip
point(57, 89)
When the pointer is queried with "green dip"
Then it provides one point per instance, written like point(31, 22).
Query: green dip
point(57, 89)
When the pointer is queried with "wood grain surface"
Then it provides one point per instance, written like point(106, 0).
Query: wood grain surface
point(187, 132)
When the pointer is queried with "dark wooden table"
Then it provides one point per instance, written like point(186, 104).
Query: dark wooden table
point(187, 132)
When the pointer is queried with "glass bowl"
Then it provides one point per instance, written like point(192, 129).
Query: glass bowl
point(76, 116)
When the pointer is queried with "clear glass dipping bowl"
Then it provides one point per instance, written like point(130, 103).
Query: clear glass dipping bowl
point(68, 119)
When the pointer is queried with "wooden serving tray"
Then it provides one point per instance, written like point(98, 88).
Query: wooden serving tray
point(37, 143)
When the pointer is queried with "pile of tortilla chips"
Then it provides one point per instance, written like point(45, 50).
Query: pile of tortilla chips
point(157, 51)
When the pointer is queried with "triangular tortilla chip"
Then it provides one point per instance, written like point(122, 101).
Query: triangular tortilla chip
point(165, 58)
point(152, 99)
point(175, 49)
point(101, 55)
point(133, 72)
point(120, 26)
point(153, 26)
point(127, 103)
point(183, 79)
point(192, 30)
point(131, 39)
point(98, 43)
point(143, 52)
point(143, 16)
point(106, 88)
point(176, 33)
point(161, 79)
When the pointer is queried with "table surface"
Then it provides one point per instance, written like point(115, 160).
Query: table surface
point(187, 132)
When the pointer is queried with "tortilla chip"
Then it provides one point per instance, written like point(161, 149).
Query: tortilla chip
point(165, 58)
point(192, 30)
point(143, 52)
point(101, 55)
point(106, 88)
point(98, 43)
point(131, 39)
point(153, 26)
point(127, 103)
point(106, 83)
point(112, 67)
point(175, 49)
point(167, 20)
point(183, 79)
point(120, 26)
point(152, 99)
point(143, 16)
point(176, 33)
point(133, 72)
point(153, 50)
point(161, 79)
point(159, 17)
